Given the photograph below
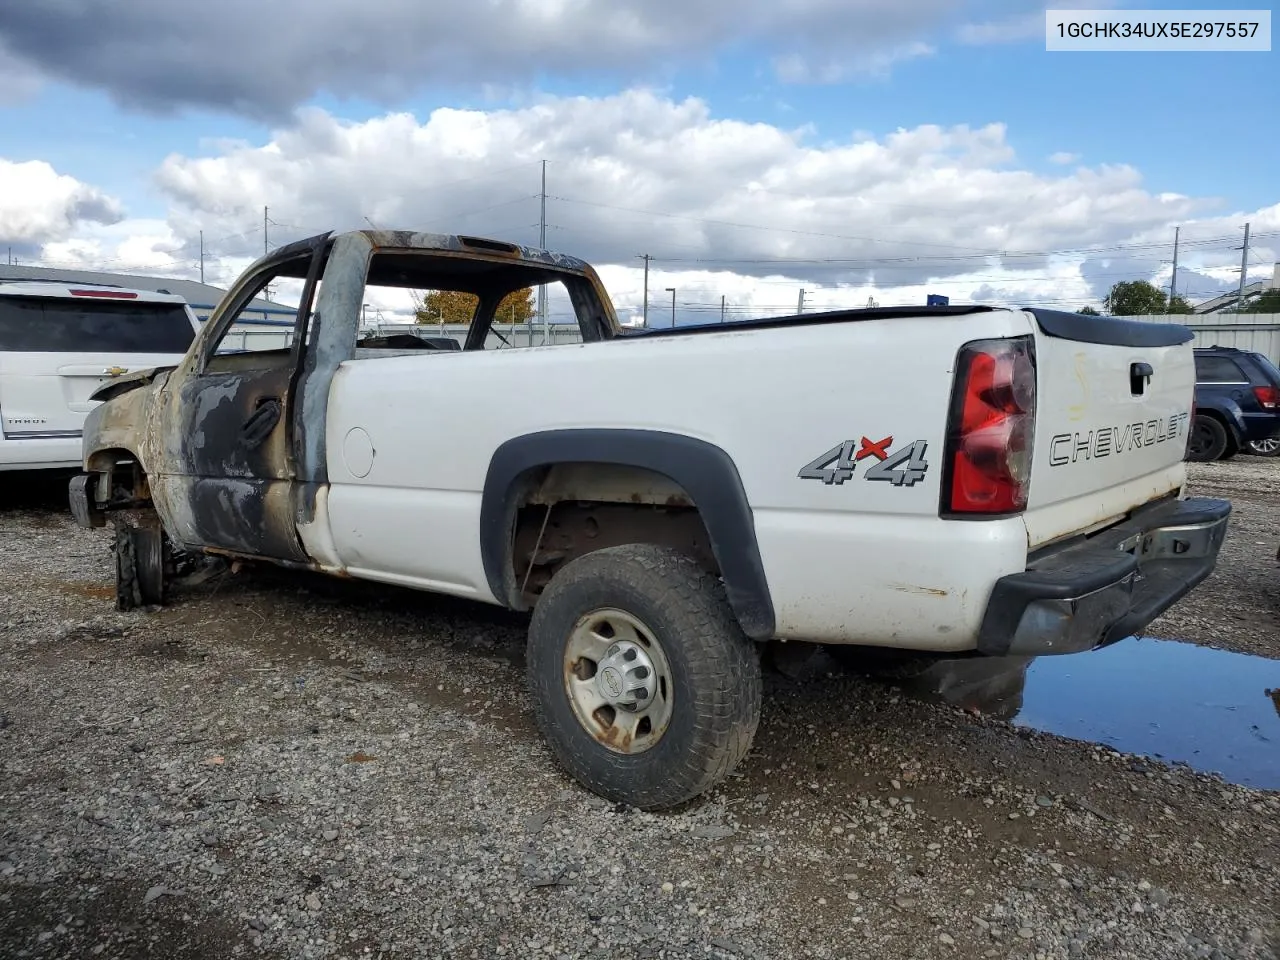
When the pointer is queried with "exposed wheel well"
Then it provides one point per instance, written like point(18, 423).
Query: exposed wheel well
point(655, 482)
point(571, 509)
point(121, 480)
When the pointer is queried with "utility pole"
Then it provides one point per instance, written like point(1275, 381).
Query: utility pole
point(1244, 269)
point(542, 244)
point(1173, 281)
point(266, 290)
point(644, 310)
point(722, 308)
point(202, 256)
point(800, 305)
point(672, 291)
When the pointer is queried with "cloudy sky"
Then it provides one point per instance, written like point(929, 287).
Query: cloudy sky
point(855, 149)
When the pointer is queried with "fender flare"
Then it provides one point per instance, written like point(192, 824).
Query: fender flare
point(704, 470)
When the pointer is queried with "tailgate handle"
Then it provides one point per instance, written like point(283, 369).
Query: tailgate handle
point(1139, 374)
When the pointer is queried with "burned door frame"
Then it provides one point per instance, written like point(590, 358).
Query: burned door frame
point(229, 466)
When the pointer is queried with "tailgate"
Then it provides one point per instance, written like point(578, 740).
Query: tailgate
point(55, 351)
point(45, 395)
point(1114, 400)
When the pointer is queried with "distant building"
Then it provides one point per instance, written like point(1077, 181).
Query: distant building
point(1228, 301)
point(202, 297)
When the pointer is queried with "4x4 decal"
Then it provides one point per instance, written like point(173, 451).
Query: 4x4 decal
point(904, 467)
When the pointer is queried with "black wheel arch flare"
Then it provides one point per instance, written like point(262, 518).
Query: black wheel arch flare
point(705, 471)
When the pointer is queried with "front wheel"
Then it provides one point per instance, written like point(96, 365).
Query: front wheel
point(141, 560)
point(643, 683)
point(1208, 440)
point(1265, 448)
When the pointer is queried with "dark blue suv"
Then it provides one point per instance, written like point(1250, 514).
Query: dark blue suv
point(1237, 405)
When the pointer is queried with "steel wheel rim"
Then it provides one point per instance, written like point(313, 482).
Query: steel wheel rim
point(618, 681)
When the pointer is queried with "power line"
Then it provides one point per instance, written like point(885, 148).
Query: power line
point(754, 226)
point(1003, 252)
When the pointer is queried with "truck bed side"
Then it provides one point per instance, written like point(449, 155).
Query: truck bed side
point(863, 557)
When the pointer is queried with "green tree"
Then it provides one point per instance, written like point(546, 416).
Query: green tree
point(1269, 302)
point(1132, 298)
point(1180, 305)
point(454, 306)
point(1089, 312)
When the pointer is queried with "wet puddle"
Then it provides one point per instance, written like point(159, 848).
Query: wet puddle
point(1216, 711)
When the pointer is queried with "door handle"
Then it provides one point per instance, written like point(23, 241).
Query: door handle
point(261, 422)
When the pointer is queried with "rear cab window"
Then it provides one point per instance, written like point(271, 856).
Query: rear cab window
point(91, 325)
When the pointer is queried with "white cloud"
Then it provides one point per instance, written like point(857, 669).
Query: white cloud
point(638, 173)
point(1021, 27)
point(802, 68)
point(749, 211)
point(128, 246)
point(265, 58)
point(1013, 30)
point(39, 205)
point(1063, 158)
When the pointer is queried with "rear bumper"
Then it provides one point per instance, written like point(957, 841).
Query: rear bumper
point(1095, 591)
point(1261, 426)
point(40, 453)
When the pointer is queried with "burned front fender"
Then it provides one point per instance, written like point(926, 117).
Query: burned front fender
point(121, 424)
point(129, 382)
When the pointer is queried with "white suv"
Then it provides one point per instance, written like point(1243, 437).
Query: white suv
point(61, 341)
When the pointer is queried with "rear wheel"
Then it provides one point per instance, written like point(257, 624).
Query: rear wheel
point(643, 683)
point(141, 561)
point(1208, 439)
point(1265, 448)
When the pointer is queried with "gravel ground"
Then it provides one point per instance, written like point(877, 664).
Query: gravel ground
point(1238, 607)
point(282, 765)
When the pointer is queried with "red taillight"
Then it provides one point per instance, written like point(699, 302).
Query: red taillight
point(992, 427)
point(113, 294)
point(1269, 397)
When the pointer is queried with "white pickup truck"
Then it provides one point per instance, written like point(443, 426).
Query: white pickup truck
point(948, 479)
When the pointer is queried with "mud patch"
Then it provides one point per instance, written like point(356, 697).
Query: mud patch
point(110, 918)
point(159, 648)
point(94, 591)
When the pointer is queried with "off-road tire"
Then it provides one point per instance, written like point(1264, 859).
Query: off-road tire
point(142, 559)
point(715, 673)
point(1213, 439)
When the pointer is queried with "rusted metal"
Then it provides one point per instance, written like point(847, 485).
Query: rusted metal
point(140, 519)
point(241, 557)
point(612, 736)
